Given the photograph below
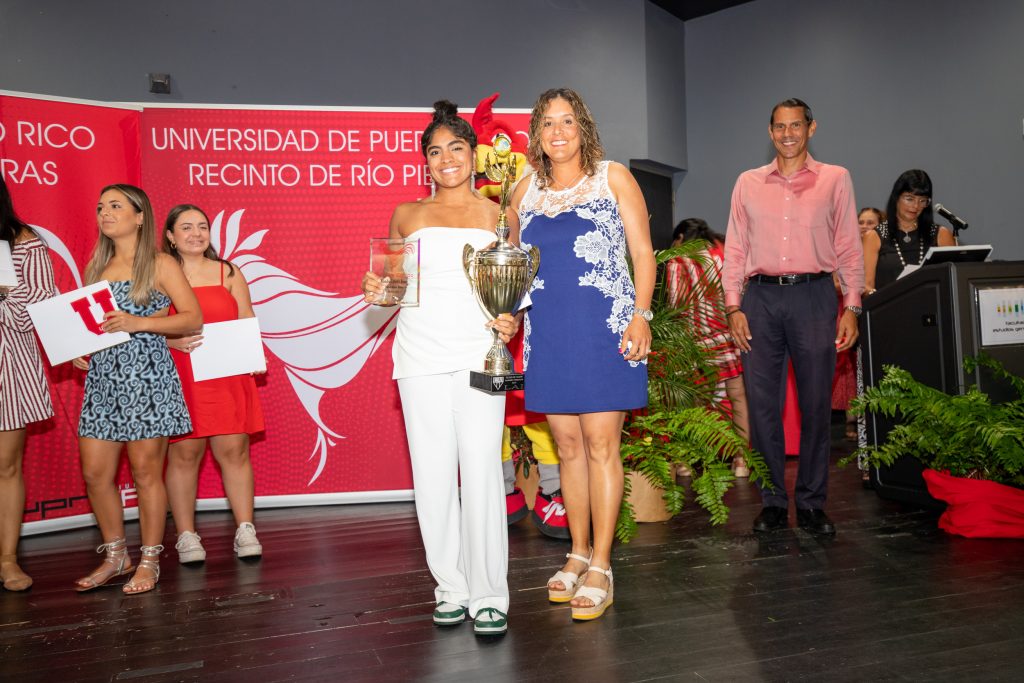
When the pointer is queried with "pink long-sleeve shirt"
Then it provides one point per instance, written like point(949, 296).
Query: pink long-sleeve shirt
point(804, 223)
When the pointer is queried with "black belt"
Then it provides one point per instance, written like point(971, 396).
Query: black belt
point(789, 279)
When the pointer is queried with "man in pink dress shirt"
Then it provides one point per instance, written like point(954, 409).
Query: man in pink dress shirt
point(791, 224)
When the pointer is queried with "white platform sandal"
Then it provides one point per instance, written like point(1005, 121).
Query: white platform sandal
point(568, 579)
point(602, 599)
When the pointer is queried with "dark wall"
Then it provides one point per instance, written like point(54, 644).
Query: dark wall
point(325, 52)
point(666, 88)
point(932, 84)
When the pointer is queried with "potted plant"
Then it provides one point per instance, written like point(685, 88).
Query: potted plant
point(685, 422)
point(973, 449)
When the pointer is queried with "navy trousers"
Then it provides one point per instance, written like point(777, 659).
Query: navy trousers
point(795, 322)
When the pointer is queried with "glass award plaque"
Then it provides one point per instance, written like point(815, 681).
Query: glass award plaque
point(397, 263)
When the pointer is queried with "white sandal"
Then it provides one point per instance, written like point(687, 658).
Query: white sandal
point(601, 598)
point(568, 579)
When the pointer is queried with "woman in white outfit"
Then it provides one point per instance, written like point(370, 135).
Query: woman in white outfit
point(454, 431)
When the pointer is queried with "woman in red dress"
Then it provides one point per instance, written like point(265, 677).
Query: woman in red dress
point(224, 411)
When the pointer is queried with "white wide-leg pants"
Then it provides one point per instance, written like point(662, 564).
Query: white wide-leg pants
point(456, 430)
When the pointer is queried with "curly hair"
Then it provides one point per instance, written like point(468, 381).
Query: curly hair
point(591, 150)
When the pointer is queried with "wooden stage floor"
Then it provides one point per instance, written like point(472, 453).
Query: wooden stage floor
point(343, 595)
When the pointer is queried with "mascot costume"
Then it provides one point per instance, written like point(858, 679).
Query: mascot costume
point(548, 512)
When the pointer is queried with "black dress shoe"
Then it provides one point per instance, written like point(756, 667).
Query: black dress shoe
point(772, 517)
point(815, 521)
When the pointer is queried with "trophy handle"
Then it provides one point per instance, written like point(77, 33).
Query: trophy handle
point(467, 260)
point(534, 263)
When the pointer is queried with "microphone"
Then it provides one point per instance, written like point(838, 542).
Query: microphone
point(958, 223)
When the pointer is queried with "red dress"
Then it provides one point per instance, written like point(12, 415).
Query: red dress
point(227, 405)
point(844, 382)
point(682, 278)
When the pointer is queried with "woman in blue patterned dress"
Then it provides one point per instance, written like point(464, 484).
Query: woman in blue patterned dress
point(132, 392)
point(587, 334)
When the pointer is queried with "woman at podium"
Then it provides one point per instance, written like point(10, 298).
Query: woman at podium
point(905, 237)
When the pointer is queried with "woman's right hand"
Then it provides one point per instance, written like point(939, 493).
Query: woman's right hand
point(186, 344)
point(373, 288)
point(82, 363)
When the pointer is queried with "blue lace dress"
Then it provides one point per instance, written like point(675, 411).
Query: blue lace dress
point(132, 390)
point(583, 301)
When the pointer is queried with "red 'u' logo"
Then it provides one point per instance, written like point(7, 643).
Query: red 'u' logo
point(81, 307)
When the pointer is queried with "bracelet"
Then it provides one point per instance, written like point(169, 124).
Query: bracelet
point(728, 313)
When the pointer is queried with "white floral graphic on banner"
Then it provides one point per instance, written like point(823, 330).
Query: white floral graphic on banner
point(323, 338)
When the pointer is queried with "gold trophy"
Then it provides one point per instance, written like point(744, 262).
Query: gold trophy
point(500, 275)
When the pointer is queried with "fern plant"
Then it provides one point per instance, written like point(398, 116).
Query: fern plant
point(964, 434)
point(685, 422)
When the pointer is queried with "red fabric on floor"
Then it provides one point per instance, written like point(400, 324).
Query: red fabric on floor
point(977, 508)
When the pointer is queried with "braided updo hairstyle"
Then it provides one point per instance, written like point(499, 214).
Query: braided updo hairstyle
point(446, 115)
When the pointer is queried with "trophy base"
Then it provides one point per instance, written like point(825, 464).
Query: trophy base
point(496, 384)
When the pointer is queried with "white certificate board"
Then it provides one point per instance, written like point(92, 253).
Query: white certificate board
point(1001, 315)
point(8, 278)
point(68, 325)
point(230, 348)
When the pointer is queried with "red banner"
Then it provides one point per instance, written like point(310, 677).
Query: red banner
point(293, 196)
point(55, 156)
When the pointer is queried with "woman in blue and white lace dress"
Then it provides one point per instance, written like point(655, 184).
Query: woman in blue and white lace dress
point(587, 335)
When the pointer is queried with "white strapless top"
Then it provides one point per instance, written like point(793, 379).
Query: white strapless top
point(446, 332)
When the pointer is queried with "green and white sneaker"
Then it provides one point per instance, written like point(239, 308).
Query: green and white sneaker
point(447, 614)
point(490, 622)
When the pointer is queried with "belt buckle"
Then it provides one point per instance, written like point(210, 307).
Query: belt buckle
point(787, 280)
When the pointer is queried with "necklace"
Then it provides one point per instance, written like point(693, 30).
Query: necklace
point(566, 186)
point(920, 250)
point(906, 235)
point(188, 276)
